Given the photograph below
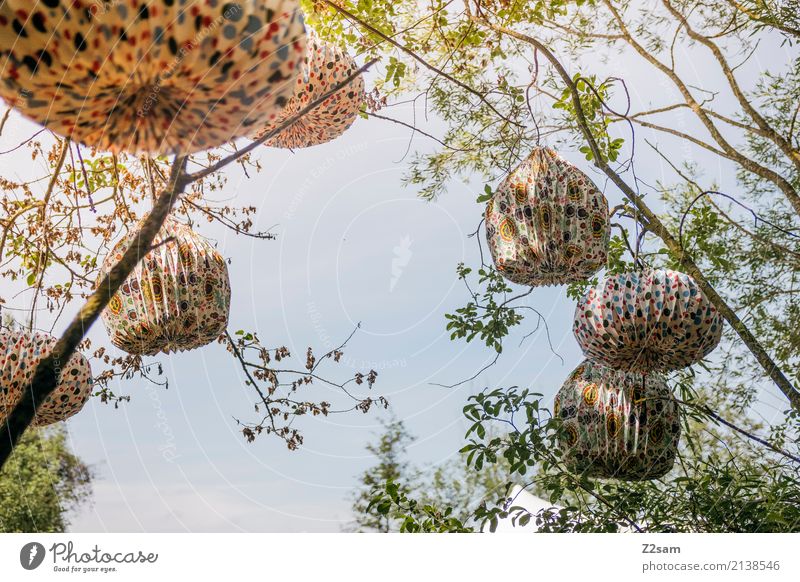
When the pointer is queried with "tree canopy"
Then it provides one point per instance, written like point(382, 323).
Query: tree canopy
point(42, 484)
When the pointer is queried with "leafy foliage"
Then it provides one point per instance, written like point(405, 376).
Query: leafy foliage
point(720, 483)
point(744, 241)
point(397, 495)
point(42, 483)
point(486, 316)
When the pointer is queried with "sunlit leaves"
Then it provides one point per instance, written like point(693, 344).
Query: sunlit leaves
point(593, 97)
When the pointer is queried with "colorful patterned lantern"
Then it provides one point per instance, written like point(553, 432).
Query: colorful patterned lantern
point(156, 77)
point(20, 353)
point(654, 320)
point(547, 224)
point(324, 67)
point(617, 424)
point(177, 298)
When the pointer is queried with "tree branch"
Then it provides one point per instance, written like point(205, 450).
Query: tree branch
point(759, 120)
point(657, 227)
point(276, 130)
point(366, 25)
point(711, 414)
point(748, 164)
point(45, 378)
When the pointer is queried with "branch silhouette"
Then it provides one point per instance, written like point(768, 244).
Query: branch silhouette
point(45, 377)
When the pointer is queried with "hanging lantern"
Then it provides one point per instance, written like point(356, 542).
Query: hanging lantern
point(177, 297)
point(616, 424)
point(157, 78)
point(20, 353)
point(547, 224)
point(325, 66)
point(653, 320)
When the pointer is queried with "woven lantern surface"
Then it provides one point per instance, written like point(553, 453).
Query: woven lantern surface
point(155, 77)
point(617, 424)
point(655, 320)
point(20, 353)
point(325, 66)
point(177, 297)
point(547, 224)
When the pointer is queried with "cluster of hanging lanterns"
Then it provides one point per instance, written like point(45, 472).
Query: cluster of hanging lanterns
point(548, 224)
point(152, 79)
point(159, 79)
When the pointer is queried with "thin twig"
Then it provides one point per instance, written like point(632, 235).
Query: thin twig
point(352, 17)
point(415, 129)
point(276, 130)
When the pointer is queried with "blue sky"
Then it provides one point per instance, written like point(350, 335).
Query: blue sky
point(353, 245)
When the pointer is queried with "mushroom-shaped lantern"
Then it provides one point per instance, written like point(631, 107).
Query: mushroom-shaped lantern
point(655, 320)
point(176, 298)
point(155, 77)
point(325, 67)
point(619, 425)
point(20, 353)
point(547, 224)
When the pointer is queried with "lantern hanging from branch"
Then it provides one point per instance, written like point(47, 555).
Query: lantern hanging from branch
point(159, 78)
point(547, 224)
point(621, 425)
point(655, 320)
point(176, 298)
point(325, 66)
point(20, 353)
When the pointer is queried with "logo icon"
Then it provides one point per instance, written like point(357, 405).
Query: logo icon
point(402, 256)
point(31, 555)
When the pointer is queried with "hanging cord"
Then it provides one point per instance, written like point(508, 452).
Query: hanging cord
point(534, 69)
point(629, 164)
point(756, 217)
point(85, 179)
point(639, 263)
point(148, 170)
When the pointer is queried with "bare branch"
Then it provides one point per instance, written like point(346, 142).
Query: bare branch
point(657, 227)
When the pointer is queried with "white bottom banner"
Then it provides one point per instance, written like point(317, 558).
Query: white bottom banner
point(389, 557)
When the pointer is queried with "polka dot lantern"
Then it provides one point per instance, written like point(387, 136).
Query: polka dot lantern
point(617, 425)
point(177, 298)
point(325, 66)
point(547, 224)
point(20, 353)
point(655, 320)
point(150, 77)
